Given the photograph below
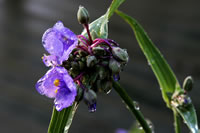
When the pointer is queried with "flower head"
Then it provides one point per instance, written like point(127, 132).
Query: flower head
point(59, 41)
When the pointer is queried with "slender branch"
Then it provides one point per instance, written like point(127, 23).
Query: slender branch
point(176, 122)
point(129, 102)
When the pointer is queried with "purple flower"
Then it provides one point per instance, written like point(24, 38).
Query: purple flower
point(57, 83)
point(59, 41)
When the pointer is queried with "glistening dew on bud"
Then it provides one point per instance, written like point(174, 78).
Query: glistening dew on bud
point(82, 15)
point(120, 54)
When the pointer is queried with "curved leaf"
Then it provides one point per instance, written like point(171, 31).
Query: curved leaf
point(166, 78)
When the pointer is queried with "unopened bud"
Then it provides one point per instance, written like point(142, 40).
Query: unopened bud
point(91, 61)
point(188, 83)
point(98, 51)
point(102, 73)
point(120, 54)
point(83, 15)
point(114, 66)
point(90, 99)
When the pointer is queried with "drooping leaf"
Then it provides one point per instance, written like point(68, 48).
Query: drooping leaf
point(100, 25)
point(165, 76)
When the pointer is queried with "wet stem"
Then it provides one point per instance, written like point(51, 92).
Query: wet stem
point(176, 121)
point(62, 119)
point(129, 102)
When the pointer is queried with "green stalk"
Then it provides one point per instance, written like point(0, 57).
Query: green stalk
point(176, 122)
point(61, 120)
point(129, 102)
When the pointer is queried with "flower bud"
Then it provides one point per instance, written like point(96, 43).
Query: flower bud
point(188, 83)
point(120, 54)
point(99, 51)
point(81, 65)
point(91, 61)
point(75, 65)
point(90, 99)
point(114, 66)
point(82, 15)
point(102, 73)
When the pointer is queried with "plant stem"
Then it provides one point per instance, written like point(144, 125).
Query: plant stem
point(129, 102)
point(88, 32)
point(176, 122)
point(61, 120)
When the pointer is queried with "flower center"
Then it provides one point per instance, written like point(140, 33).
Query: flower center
point(56, 82)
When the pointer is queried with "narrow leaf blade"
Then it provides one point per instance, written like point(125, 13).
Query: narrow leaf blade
point(162, 70)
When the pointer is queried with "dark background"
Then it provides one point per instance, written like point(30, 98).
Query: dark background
point(173, 25)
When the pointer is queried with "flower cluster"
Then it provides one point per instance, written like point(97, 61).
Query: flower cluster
point(80, 67)
point(59, 41)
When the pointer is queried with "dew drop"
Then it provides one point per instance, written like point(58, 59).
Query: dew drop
point(152, 61)
point(149, 63)
point(137, 107)
point(108, 91)
point(92, 110)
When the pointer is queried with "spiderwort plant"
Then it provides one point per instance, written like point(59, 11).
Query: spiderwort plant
point(89, 63)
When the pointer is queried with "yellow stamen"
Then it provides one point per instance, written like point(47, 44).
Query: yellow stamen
point(42, 57)
point(56, 91)
point(56, 82)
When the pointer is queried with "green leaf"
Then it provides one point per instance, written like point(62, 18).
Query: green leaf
point(166, 78)
point(61, 121)
point(189, 117)
point(100, 25)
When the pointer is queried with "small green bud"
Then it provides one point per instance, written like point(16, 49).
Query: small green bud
point(75, 65)
point(82, 53)
point(90, 99)
point(81, 65)
point(91, 61)
point(73, 72)
point(82, 15)
point(188, 83)
point(105, 63)
point(120, 54)
point(85, 79)
point(102, 73)
point(114, 66)
point(98, 51)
